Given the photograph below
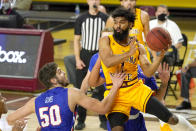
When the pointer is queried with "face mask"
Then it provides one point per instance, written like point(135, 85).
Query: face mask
point(95, 6)
point(162, 17)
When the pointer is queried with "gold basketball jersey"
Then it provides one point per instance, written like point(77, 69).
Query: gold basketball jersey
point(138, 27)
point(137, 31)
point(129, 66)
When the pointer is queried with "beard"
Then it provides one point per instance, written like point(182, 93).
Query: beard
point(120, 36)
point(63, 83)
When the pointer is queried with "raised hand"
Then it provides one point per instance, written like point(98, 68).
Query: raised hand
point(80, 64)
point(117, 79)
point(20, 125)
point(132, 44)
point(164, 73)
point(141, 49)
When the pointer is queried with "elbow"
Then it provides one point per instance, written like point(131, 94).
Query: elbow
point(92, 83)
point(108, 64)
point(103, 112)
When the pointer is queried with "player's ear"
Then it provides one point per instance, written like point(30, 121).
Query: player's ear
point(53, 80)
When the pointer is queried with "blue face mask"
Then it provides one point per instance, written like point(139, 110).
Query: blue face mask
point(162, 17)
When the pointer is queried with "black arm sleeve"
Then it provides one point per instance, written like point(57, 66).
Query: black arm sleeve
point(78, 26)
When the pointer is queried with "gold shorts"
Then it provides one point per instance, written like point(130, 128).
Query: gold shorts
point(135, 96)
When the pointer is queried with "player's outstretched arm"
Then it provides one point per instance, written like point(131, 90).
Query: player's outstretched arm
point(148, 68)
point(22, 112)
point(95, 79)
point(108, 58)
point(145, 22)
point(105, 105)
point(85, 85)
point(164, 75)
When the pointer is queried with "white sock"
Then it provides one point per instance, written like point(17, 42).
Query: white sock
point(161, 122)
point(182, 125)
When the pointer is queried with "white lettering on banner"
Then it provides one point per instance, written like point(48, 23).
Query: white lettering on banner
point(12, 56)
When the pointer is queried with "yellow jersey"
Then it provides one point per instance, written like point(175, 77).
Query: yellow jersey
point(138, 27)
point(129, 66)
point(138, 30)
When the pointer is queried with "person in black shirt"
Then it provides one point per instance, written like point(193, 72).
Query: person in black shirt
point(88, 27)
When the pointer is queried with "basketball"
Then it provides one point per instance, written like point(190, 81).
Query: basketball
point(158, 39)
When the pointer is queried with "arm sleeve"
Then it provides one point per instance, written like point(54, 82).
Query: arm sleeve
point(78, 26)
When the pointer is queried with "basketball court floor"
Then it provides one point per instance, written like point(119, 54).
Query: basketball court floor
point(16, 99)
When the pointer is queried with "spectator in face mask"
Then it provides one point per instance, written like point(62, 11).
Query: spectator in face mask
point(162, 20)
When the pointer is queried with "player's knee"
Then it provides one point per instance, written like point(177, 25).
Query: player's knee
point(173, 120)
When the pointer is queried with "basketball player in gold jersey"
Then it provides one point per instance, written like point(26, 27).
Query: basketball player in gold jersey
point(119, 52)
point(141, 23)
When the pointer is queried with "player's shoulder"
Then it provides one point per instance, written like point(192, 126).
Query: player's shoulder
point(74, 94)
point(73, 91)
point(104, 39)
point(110, 20)
point(95, 56)
point(144, 17)
point(144, 13)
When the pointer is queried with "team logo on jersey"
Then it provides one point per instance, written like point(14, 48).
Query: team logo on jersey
point(49, 99)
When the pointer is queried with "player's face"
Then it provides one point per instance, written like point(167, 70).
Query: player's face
point(161, 10)
point(121, 28)
point(60, 76)
point(128, 4)
point(93, 3)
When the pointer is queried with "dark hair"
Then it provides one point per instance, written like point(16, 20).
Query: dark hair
point(47, 72)
point(122, 12)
